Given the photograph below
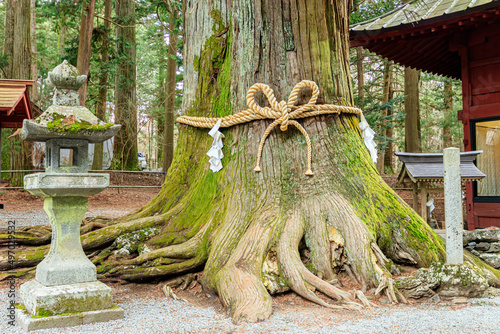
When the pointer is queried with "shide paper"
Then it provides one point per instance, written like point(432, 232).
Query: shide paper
point(368, 137)
point(215, 152)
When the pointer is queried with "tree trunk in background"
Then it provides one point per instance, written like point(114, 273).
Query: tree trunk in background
point(160, 119)
point(383, 125)
point(18, 46)
point(34, 66)
point(61, 38)
point(360, 77)
point(85, 41)
point(103, 82)
point(389, 134)
point(447, 117)
point(125, 148)
point(412, 109)
point(168, 149)
point(8, 46)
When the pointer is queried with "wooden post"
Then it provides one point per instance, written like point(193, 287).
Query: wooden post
point(415, 197)
point(423, 199)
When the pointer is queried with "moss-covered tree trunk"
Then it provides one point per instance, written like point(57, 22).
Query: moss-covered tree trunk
point(255, 234)
point(244, 228)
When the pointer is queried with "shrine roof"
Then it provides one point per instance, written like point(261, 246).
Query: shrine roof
point(15, 105)
point(429, 166)
point(419, 34)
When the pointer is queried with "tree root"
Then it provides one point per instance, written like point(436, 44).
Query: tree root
point(297, 275)
point(188, 281)
point(21, 273)
point(361, 296)
point(106, 236)
point(385, 278)
point(184, 250)
point(149, 273)
point(29, 235)
point(170, 294)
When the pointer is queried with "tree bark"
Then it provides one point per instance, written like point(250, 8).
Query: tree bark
point(412, 109)
point(125, 146)
point(171, 82)
point(34, 66)
point(18, 18)
point(360, 77)
point(383, 125)
point(447, 117)
point(85, 42)
point(103, 82)
point(389, 151)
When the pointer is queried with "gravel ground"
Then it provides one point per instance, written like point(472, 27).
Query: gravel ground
point(159, 315)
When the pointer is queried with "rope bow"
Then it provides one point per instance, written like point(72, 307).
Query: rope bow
point(283, 113)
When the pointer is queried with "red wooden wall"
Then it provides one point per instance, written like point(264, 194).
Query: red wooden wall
point(480, 55)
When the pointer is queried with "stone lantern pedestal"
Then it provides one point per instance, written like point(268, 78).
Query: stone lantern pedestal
point(65, 291)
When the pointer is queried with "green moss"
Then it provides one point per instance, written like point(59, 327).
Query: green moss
point(56, 125)
point(20, 306)
point(36, 256)
point(42, 313)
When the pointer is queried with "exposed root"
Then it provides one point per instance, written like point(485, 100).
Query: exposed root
point(149, 273)
point(185, 250)
point(239, 282)
point(29, 235)
point(185, 282)
point(24, 258)
point(107, 235)
point(385, 279)
point(91, 226)
point(361, 296)
point(170, 294)
point(296, 274)
point(20, 273)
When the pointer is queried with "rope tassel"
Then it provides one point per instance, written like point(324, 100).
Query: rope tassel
point(283, 113)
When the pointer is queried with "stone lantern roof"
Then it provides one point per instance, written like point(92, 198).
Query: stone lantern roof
point(65, 118)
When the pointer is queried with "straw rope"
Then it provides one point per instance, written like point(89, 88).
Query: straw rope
point(283, 113)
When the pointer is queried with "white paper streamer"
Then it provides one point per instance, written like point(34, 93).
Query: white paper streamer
point(368, 137)
point(431, 206)
point(215, 152)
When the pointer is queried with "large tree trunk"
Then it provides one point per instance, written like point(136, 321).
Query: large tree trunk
point(412, 109)
point(85, 41)
point(168, 149)
point(125, 147)
point(255, 234)
point(103, 82)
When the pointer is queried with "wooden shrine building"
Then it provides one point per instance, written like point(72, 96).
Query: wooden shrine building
point(15, 105)
point(458, 39)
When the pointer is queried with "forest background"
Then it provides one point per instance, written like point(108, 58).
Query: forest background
point(134, 56)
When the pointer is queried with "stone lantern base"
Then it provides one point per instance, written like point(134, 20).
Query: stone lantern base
point(65, 305)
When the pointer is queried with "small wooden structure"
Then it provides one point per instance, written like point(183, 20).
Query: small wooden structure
point(425, 172)
point(458, 39)
point(15, 105)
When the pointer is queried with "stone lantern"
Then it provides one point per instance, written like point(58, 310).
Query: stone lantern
point(66, 280)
